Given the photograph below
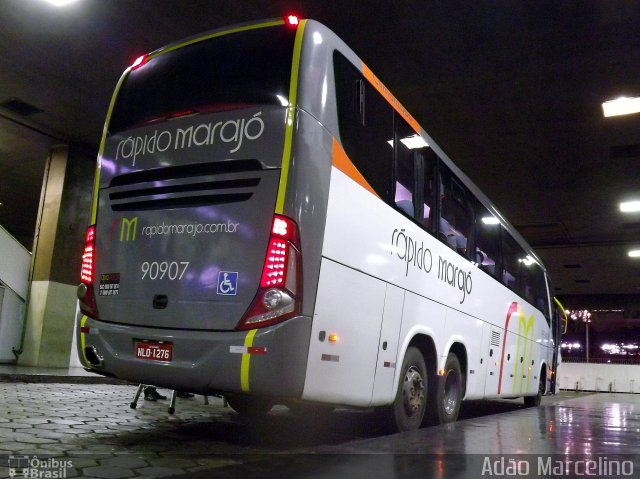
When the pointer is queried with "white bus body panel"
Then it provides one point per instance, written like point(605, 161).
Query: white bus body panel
point(366, 241)
point(350, 305)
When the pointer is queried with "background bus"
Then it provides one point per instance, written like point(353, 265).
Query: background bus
point(270, 224)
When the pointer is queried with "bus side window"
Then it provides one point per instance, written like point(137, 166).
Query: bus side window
point(429, 189)
point(487, 241)
point(512, 254)
point(456, 217)
point(408, 149)
point(535, 287)
point(365, 121)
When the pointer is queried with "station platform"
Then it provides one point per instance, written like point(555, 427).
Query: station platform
point(89, 427)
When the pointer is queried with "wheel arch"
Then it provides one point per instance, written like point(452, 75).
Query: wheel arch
point(460, 350)
point(544, 374)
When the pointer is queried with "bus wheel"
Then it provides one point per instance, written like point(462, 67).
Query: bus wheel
point(534, 401)
point(249, 406)
point(445, 405)
point(411, 397)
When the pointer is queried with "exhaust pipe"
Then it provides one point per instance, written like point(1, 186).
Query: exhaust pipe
point(91, 353)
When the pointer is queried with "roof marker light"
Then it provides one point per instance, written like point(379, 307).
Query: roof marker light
point(292, 20)
point(141, 60)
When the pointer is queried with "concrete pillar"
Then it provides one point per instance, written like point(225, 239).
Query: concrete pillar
point(60, 229)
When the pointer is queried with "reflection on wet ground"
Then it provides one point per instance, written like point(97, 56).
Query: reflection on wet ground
point(93, 426)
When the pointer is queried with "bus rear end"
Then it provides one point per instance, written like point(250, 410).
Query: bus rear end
point(190, 281)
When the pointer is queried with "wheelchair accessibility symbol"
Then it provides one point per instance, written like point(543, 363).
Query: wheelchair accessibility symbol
point(227, 283)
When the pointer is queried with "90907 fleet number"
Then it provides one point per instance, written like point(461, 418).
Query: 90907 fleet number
point(156, 270)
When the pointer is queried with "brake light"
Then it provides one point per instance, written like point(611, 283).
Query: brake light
point(280, 291)
point(87, 272)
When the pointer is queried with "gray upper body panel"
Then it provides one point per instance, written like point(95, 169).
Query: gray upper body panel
point(183, 224)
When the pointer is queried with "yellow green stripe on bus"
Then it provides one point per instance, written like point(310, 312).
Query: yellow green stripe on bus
point(96, 181)
point(83, 321)
point(291, 110)
point(246, 361)
point(245, 28)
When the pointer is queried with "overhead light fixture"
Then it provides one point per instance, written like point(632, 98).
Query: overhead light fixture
point(621, 106)
point(60, 3)
point(634, 253)
point(630, 206)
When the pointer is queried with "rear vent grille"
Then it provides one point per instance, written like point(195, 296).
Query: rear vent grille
point(210, 185)
point(170, 203)
point(186, 171)
point(187, 186)
point(495, 338)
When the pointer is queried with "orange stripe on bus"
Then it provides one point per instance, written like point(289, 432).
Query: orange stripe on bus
point(378, 85)
point(344, 164)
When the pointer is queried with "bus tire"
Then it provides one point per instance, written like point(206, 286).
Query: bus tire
point(411, 397)
point(534, 401)
point(445, 403)
point(249, 406)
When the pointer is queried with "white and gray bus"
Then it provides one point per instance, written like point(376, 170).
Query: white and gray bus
point(270, 224)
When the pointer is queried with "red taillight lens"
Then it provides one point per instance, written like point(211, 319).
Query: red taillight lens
point(278, 297)
point(85, 290)
point(88, 256)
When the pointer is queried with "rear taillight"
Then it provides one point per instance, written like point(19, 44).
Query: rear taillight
point(280, 292)
point(85, 289)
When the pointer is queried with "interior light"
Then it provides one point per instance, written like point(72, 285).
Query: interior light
point(490, 220)
point(634, 253)
point(621, 106)
point(630, 206)
point(413, 142)
point(528, 261)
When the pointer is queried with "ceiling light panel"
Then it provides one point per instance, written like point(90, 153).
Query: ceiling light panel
point(621, 106)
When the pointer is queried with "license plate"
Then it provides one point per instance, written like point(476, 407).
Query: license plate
point(154, 351)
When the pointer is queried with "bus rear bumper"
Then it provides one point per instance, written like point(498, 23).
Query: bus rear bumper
point(270, 361)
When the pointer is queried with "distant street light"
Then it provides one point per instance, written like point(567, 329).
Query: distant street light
point(585, 316)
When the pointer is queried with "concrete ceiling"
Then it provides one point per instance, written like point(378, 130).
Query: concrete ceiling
point(510, 90)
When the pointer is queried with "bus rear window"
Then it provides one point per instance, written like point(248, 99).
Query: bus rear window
point(233, 71)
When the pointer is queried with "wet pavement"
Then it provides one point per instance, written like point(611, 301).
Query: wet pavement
point(89, 430)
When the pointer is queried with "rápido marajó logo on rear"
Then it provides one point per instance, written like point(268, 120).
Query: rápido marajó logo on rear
point(127, 229)
point(232, 132)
